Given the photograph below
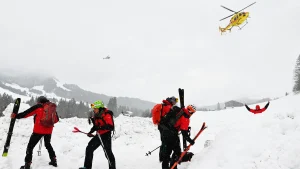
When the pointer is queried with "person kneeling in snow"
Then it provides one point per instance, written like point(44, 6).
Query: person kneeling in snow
point(257, 108)
point(40, 129)
point(170, 126)
point(104, 125)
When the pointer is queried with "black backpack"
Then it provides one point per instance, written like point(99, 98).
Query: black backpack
point(112, 117)
point(92, 120)
point(170, 119)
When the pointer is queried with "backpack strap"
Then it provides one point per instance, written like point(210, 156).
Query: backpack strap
point(178, 115)
point(162, 107)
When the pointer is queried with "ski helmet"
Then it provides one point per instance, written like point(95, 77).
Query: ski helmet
point(97, 104)
point(42, 99)
point(173, 100)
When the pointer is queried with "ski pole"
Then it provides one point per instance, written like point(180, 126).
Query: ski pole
point(76, 130)
point(40, 147)
point(149, 152)
point(104, 148)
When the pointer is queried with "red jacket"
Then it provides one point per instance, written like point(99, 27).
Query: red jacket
point(257, 108)
point(166, 108)
point(184, 121)
point(36, 111)
point(105, 122)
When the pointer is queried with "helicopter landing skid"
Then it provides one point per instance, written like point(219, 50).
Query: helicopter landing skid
point(243, 26)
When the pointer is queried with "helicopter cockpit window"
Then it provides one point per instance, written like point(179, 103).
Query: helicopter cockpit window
point(240, 14)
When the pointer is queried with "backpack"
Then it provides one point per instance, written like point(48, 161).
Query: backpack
point(156, 113)
point(49, 117)
point(170, 119)
point(112, 117)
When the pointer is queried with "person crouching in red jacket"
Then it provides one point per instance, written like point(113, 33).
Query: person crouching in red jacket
point(257, 108)
point(39, 131)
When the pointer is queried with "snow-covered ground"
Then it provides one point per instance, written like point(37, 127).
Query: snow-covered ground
point(240, 140)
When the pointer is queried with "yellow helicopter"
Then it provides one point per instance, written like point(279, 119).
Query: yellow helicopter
point(236, 20)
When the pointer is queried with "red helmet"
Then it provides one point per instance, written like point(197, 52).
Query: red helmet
point(191, 108)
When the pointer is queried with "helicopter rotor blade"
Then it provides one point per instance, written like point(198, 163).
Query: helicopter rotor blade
point(227, 17)
point(228, 9)
point(234, 11)
point(246, 6)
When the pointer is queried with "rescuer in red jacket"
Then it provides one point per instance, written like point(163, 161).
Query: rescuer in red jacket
point(170, 127)
point(39, 131)
point(257, 108)
point(103, 124)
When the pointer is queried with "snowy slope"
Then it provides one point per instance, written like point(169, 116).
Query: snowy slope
point(29, 93)
point(244, 140)
point(240, 140)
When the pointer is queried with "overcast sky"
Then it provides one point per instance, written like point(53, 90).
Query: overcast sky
point(155, 46)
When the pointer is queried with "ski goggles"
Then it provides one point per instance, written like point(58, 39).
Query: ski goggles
point(92, 105)
point(173, 100)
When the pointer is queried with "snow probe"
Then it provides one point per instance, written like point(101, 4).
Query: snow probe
point(104, 149)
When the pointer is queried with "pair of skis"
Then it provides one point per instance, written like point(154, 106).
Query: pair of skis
point(11, 127)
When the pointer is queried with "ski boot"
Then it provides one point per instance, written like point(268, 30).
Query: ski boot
point(26, 166)
point(53, 162)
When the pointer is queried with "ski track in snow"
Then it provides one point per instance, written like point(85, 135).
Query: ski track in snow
point(240, 139)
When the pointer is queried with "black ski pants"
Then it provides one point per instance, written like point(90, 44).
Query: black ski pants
point(34, 139)
point(170, 144)
point(94, 143)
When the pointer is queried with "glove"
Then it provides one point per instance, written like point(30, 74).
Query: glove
point(13, 115)
point(90, 135)
point(94, 128)
point(192, 142)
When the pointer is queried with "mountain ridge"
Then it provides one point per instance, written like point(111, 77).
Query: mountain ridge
point(35, 85)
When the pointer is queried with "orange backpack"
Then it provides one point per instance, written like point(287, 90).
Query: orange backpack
point(156, 113)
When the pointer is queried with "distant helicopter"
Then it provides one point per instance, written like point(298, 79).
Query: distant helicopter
point(237, 19)
point(107, 57)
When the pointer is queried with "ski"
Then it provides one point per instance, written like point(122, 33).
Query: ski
point(188, 147)
point(11, 127)
point(181, 97)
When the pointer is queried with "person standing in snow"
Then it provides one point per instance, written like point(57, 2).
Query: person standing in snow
point(103, 125)
point(167, 106)
point(257, 108)
point(170, 139)
point(39, 131)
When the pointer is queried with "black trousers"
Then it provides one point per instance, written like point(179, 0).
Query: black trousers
point(170, 144)
point(34, 139)
point(94, 144)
